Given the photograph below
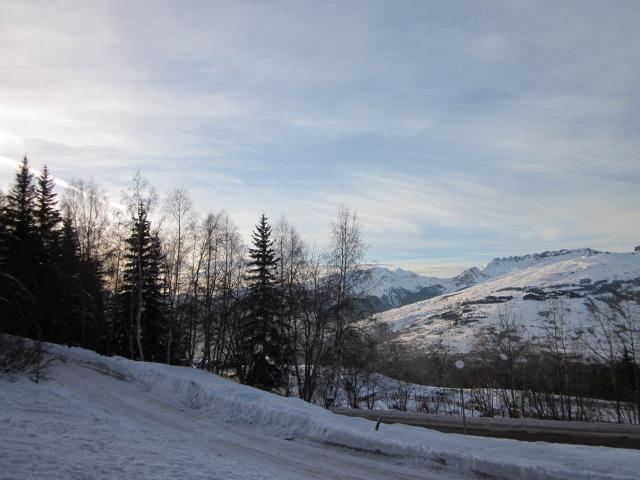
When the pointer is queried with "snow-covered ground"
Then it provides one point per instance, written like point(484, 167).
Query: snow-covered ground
point(381, 393)
point(100, 417)
point(520, 285)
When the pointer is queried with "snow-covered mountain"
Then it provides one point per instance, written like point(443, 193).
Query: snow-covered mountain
point(387, 289)
point(522, 285)
point(502, 266)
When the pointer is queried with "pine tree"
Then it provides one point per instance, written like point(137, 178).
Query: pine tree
point(70, 289)
point(50, 282)
point(154, 321)
point(6, 282)
point(262, 337)
point(142, 316)
point(20, 249)
point(20, 203)
point(48, 218)
point(3, 238)
point(92, 314)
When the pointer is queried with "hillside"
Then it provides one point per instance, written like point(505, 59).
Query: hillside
point(107, 418)
point(521, 286)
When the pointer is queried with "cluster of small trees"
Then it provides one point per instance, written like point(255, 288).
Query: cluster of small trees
point(153, 281)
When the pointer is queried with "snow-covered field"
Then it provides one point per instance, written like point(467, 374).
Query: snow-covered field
point(520, 285)
point(100, 417)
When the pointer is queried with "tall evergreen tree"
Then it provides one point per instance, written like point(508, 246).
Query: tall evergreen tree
point(6, 283)
point(142, 317)
point(155, 322)
point(3, 237)
point(20, 203)
point(262, 336)
point(48, 219)
point(20, 249)
point(70, 288)
point(52, 310)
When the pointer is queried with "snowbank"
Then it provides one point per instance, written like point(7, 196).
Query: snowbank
point(291, 418)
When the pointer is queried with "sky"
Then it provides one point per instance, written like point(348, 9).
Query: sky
point(459, 131)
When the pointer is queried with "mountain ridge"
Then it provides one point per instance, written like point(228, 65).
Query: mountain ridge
point(392, 288)
point(521, 284)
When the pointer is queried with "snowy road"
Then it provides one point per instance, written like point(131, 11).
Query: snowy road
point(85, 424)
point(531, 430)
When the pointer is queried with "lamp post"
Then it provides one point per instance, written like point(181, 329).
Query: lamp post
point(460, 365)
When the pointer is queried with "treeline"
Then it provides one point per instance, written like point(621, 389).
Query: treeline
point(51, 287)
point(549, 369)
point(151, 280)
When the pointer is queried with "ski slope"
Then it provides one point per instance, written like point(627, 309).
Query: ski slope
point(107, 418)
point(522, 286)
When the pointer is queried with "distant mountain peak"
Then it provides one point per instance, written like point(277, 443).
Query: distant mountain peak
point(469, 277)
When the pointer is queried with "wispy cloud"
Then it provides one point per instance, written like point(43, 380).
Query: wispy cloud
point(457, 130)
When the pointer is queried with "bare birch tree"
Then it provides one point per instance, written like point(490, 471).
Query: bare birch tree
point(347, 273)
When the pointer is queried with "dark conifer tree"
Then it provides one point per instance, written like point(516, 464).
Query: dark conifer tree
point(20, 251)
point(48, 219)
point(93, 331)
point(21, 204)
point(70, 289)
point(80, 295)
point(3, 238)
point(142, 317)
point(6, 283)
point(154, 322)
point(264, 346)
point(50, 281)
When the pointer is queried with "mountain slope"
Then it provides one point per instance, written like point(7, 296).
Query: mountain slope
point(522, 286)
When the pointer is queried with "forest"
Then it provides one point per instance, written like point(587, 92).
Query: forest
point(150, 279)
